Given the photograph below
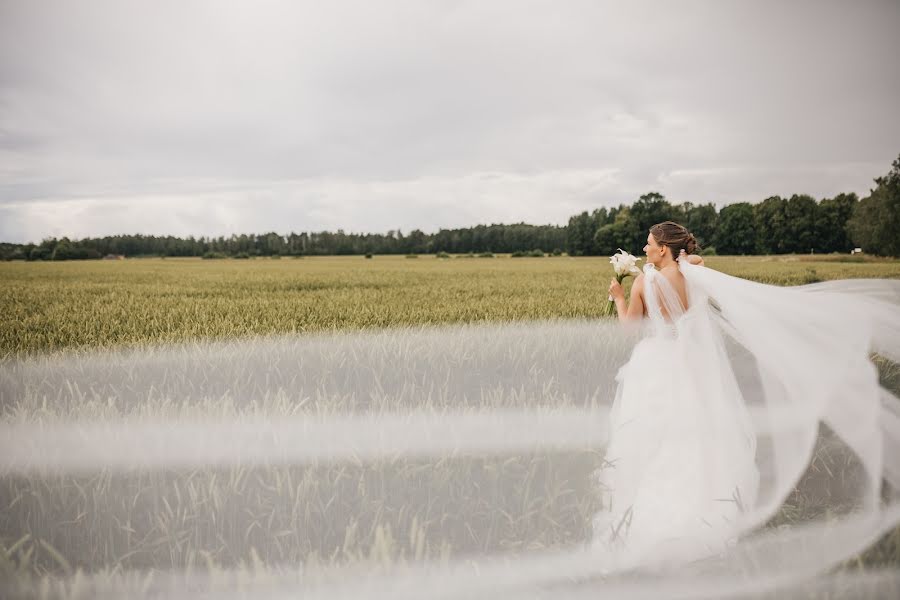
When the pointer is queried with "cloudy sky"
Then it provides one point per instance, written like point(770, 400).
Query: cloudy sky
point(179, 117)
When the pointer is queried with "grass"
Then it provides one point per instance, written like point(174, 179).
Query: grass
point(383, 511)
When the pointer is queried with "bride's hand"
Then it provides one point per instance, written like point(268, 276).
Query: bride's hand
point(691, 258)
point(615, 289)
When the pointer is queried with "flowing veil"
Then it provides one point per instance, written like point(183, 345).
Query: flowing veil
point(802, 358)
point(753, 378)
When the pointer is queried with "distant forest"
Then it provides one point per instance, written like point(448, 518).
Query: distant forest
point(776, 225)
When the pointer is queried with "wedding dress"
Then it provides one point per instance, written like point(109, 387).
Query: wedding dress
point(681, 458)
point(719, 407)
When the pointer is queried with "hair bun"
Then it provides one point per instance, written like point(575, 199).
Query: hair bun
point(690, 246)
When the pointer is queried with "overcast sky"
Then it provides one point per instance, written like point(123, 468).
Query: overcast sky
point(177, 117)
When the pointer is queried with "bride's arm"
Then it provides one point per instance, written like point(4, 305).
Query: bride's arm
point(635, 310)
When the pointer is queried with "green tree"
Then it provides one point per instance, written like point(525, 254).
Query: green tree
point(875, 225)
point(647, 211)
point(735, 233)
point(416, 242)
point(831, 223)
point(579, 235)
point(770, 220)
point(621, 233)
point(39, 253)
point(800, 224)
point(599, 218)
point(701, 220)
point(63, 250)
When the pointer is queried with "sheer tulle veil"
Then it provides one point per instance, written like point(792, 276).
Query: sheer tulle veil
point(802, 358)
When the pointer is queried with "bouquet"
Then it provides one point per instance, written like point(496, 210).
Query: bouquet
point(624, 264)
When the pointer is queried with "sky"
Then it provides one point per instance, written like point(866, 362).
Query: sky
point(212, 118)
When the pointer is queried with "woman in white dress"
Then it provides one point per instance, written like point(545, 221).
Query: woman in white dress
point(721, 405)
point(681, 457)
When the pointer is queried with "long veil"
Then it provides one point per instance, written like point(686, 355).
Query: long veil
point(803, 360)
point(453, 461)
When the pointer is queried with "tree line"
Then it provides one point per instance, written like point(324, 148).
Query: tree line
point(776, 225)
point(799, 224)
point(481, 238)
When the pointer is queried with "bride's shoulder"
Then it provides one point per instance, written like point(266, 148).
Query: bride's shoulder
point(637, 288)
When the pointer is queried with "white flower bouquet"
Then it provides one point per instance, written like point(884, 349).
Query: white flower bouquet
point(624, 264)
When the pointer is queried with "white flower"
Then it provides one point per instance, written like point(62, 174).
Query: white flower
point(624, 263)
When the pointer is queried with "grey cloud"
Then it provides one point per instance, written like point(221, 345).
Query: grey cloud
point(131, 103)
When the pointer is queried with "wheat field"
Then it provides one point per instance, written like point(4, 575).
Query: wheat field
point(93, 304)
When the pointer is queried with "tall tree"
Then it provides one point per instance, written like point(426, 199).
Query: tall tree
point(831, 223)
point(579, 235)
point(736, 233)
point(800, 224)
point(621, 233)
point(599, 218)
point(701, 220)
point(647, 211)
point(875, 225)
point(770, 220)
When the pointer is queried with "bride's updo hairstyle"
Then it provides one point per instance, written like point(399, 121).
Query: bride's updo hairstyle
point(675, 236)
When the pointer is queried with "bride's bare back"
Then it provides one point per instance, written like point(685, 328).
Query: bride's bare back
point(639, 295)
point(637, 307)
point(676, 280)
point(665, 265)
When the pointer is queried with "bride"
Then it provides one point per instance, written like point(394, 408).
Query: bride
point(718, 409)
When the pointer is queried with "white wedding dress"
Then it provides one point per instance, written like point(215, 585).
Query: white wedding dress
point(681, 458)
point(719, 407)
